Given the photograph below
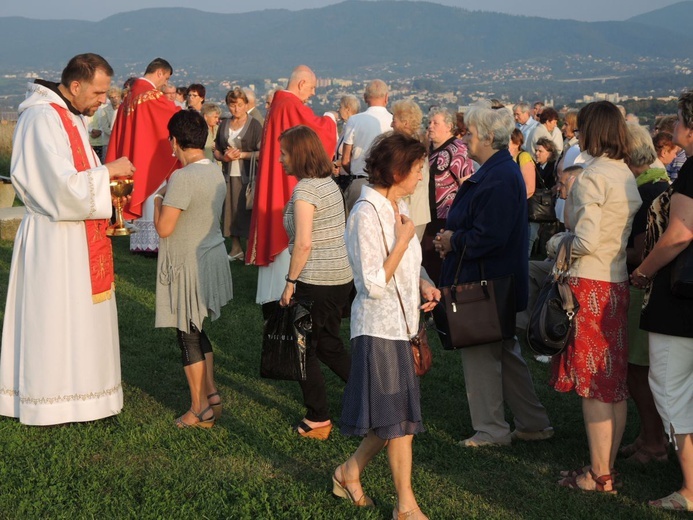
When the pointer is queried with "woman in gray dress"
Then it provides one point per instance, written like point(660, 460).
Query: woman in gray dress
point(193, 275)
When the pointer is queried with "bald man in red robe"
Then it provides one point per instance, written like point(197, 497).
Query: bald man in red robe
point(140, 133)
point(268, 242)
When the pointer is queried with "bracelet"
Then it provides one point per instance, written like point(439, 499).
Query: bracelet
point(290, 280)
point(640, 274)
point(158, 196)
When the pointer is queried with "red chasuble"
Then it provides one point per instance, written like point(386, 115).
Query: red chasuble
point(273, 187)
point(98, 244)
point(140, 133)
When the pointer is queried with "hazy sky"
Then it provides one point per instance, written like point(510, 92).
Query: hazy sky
point(589, 10)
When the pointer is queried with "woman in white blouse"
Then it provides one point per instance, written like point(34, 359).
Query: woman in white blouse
point(382, 400)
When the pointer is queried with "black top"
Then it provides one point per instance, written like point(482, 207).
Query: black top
point(648, 193)
point(664, 313)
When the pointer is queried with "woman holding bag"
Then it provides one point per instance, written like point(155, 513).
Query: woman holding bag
point(237, 146)
point(382, 400)
point(319, 270)
point(600, 209)
point(487, 223)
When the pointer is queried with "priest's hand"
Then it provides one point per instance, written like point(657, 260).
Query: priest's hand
point(120, 168)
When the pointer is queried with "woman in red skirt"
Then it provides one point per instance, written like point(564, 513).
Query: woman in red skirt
point(599, 210)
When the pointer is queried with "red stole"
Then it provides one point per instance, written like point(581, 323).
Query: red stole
point(140, 133)
point(98, 244)
point(273, 187)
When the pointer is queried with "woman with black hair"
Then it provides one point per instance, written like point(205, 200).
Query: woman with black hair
point(193, 275)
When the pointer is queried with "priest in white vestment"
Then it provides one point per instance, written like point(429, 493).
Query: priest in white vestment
point(60, 358)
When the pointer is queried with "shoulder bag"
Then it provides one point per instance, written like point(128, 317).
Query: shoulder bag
point(551, 321)
point(476, 313)
point(250, 188)
point(541, 205)
point(420, 349)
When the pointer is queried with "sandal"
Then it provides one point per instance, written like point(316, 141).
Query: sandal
point(600, 481)
point(339, 489)
point(414, 514)
point(321, 433)
point(567, 474)
point(674, 502)
point(202, 422)
point(216, 407)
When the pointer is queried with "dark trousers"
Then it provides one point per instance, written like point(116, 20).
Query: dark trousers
point(430, 257)
point(329, 302)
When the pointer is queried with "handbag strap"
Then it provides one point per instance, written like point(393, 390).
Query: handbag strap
point(387, 252)
point(564, 257)
point(539, 177)
point(560, 274)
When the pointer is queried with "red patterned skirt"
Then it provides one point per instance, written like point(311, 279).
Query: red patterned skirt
point(595, 361)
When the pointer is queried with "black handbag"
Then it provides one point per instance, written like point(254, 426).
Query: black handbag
point(285, 340)
point(476, 313)
point(682, 274)
point(551, 322)
point(541, 206)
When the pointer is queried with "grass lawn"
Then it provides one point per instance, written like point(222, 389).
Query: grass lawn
point(251, 465)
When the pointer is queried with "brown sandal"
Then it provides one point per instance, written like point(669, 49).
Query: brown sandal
point(339, 489)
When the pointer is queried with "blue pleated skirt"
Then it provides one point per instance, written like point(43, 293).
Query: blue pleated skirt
point(382, 393)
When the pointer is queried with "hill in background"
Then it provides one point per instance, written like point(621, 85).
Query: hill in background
point(346, 39)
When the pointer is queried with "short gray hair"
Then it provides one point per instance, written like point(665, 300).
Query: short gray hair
point(351, 102)
point(250, 94)
point(523, 106)
point(208, 108)
point(488, 122)
point(447, 116)
point(376, 89)
point(642, 150)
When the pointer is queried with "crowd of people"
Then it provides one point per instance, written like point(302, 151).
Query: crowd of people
point(368, 222)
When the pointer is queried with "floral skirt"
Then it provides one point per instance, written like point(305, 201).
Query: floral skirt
point(595, 361)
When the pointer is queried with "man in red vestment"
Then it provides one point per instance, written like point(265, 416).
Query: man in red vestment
point(140, 133)
point(273, 187)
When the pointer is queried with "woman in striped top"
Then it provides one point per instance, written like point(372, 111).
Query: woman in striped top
point(319, 271)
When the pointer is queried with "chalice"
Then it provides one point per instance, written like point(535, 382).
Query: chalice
point(120, 188)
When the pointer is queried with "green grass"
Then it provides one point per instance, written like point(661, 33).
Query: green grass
point(6, 130)
point(250, 465)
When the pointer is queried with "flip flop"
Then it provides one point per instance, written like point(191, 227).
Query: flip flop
point(674, 502)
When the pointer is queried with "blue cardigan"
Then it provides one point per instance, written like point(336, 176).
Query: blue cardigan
point(489, 219)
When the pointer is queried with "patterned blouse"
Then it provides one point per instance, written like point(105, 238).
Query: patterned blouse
point(449, 166)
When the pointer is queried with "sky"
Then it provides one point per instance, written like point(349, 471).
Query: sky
point(94, 10)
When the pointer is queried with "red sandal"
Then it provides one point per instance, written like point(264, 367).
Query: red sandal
point(601, 482)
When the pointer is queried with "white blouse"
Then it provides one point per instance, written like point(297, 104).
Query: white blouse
point(376, 309)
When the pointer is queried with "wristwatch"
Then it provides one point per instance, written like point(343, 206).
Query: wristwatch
point(290, 280)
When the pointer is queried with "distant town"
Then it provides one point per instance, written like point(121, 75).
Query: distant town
point(561, 82)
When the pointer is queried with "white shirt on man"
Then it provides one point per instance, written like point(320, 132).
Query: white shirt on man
point(361, 130)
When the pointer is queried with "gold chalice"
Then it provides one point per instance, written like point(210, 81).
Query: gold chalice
point(120, 188)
